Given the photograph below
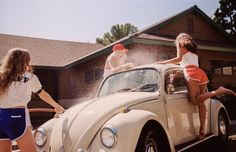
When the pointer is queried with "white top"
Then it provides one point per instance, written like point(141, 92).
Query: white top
point(20, 90)
point(118, 62)
point(189, 58)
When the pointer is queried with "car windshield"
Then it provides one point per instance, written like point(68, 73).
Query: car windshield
point(142, 80)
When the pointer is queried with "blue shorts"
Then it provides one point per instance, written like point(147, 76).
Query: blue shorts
point(13, 123)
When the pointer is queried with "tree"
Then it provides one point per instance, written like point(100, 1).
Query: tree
point(117, 32)
point(225, 15)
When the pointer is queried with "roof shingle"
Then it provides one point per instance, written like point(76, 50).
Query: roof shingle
point(45, 52)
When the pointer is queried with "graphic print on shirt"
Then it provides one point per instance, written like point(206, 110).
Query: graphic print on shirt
point(22, 79)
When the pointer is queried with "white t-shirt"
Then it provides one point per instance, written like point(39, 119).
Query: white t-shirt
point(189, 59)
point(20, 90)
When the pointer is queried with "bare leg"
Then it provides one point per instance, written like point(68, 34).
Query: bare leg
point(26, 142)
point(194, 91)
point(221, 90)
point(202, 112)
point(5, 146)
point(202, 117)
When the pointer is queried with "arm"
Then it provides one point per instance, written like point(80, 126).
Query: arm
point(116, 69)
point(180, 53)
point(123, 67)
point(48, 99)
point(174, 60)
point(111, 63)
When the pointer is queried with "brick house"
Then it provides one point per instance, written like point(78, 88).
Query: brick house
point(217, 51)
point(72, 71)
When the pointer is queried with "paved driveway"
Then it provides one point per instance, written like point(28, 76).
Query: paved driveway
point(212, 146)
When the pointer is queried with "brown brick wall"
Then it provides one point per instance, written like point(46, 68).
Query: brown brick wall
point(205, 62)
point(48, 79)
point(72, 84)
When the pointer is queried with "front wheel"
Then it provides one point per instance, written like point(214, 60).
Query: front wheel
point(150, 141)
point(223, 128)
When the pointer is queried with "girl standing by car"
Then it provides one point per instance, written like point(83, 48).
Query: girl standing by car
point(17, 82)
point(196, 78)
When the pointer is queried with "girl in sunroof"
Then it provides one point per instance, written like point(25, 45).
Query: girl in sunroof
point(116, 60)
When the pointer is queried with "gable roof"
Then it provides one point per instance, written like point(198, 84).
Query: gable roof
point(144, 36)
point(47, 53)
point(171, 19)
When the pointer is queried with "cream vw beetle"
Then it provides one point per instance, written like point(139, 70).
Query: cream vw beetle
point(145, 109)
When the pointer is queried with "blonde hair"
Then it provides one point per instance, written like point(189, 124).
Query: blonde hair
point(184, 40)
point(14, 64)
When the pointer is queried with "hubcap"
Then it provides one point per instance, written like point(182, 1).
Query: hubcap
point(222, 126)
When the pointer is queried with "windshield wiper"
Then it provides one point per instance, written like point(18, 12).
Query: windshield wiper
point(124, 90)
point(150, 87)
point(147, 87)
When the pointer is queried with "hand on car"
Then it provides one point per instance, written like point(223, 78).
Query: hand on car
point(128, 65)
point(59, 109)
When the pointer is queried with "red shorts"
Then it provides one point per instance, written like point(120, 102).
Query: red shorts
point(195, 73)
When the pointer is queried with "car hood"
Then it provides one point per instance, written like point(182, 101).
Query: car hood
point(79, 124)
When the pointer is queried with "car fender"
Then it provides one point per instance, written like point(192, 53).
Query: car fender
point(48, 127)
point(216, 106)
point(129, 126)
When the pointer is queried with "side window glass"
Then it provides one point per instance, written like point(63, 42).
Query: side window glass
point(175, 82)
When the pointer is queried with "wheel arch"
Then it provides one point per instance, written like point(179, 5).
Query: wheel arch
point(153, 124)
point(223, 110)
point(216, 108)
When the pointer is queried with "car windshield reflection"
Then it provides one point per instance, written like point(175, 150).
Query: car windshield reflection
point(140, 80)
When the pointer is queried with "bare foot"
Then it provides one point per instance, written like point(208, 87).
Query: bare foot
point(201, 135)
point(222, 90)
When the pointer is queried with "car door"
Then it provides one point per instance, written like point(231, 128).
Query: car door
point(182, 115)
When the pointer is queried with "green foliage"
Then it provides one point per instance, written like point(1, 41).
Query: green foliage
point(225, 16)
point(117, 32)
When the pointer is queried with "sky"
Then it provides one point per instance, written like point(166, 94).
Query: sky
point(85, 20)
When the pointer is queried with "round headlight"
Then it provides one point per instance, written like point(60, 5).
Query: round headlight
point(109, 136)
point(40, 137)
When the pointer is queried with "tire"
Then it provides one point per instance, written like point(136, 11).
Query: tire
point(223, 128)
point(150, 141)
